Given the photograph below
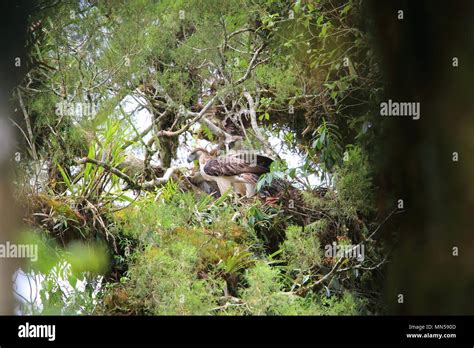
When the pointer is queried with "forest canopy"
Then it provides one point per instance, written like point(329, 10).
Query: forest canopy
point(119, 93)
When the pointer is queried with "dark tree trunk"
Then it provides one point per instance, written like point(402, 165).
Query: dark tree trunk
point(417, 156)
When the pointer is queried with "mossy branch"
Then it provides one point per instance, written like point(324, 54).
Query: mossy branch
point(149, 185)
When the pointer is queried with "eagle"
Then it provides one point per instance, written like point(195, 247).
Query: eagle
point(239, 171)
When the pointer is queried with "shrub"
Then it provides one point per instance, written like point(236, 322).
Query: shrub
point(164, 282)
point(265, 296)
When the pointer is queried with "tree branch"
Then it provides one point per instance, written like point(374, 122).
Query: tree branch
point(160, 181)
point(197, 117)
point(112, 170)
point(149, 185)
point(256, 129)
point(251, 66)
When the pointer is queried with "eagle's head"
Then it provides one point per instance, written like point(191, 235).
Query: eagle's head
point(196, 154)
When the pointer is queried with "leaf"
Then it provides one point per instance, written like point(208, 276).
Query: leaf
point(320, 20)
point(297, 6)
point(324, 29)
point(261, 181)
point(90, 154)
point(65, 177)
point(222, 198)
point(322, 138)
point(72, 280)
point(318, 144)
point(292, 173)
point(346, 8)
point(207, 132)
point(279, 251)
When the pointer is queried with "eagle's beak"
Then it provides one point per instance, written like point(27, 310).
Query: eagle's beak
point(190, 159)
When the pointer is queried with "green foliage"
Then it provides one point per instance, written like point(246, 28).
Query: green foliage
point(354, 183)
point(87, 258)
point(178, 252)
point(278, 170)
point(177, 270)
point(237, 262)
point(148, 216)
point(60, 294)
point(68, 277)
point(261, 216)
point(162, 282)
point(346, 304)
point(328, 144)
point(48, 255)
point(301, 249)
point(265, 295)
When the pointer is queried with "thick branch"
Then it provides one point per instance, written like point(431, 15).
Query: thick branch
point(256, 129)
point(149, 185)
point(112, 170)
point(216, 130)
point(160, 181)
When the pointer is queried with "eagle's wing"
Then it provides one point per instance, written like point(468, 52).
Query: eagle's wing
point(237, 164)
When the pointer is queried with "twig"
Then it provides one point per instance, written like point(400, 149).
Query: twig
point(334, 269)
point(196, 118)
point(382, 223)
point(251, 66)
